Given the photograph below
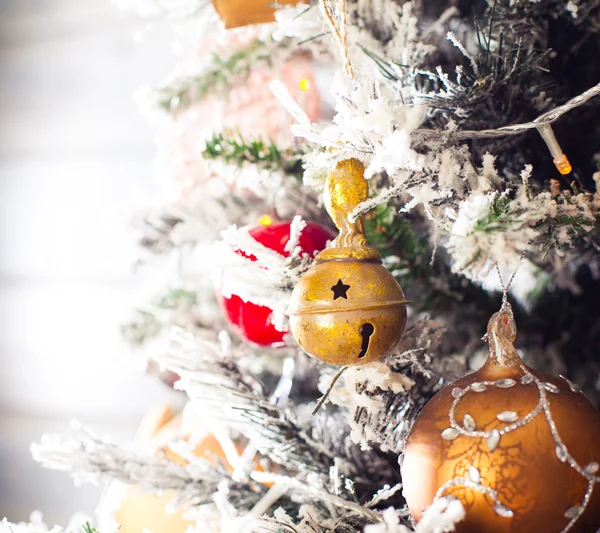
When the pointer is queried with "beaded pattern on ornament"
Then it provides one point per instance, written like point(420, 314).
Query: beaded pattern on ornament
point(472, 478)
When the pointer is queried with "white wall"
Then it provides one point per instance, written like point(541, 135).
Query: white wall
point(75, 155)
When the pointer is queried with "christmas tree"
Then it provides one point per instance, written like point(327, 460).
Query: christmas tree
point(453, 143)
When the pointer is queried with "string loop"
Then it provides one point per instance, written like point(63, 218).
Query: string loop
point(337, 19)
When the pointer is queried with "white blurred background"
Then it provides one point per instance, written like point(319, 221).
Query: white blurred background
point(75, 157)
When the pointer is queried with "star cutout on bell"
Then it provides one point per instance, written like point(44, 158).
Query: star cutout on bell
point(340, 290)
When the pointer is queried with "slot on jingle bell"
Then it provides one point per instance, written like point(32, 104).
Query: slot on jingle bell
point(347, 309)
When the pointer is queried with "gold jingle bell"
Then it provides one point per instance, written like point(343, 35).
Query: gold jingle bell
point(347, 309)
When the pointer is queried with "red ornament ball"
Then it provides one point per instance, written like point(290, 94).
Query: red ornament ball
point(253, 322)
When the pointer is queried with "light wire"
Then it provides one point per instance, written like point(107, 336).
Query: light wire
point(515, 129)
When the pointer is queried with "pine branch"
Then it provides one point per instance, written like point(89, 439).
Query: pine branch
point(90, 458)
point(277, 433)
point(178, 298)
point(301, 444)
point(221, 73)
point(530, 20)
point(37, 525)
point(237, 151)
point(239, 401)
point(465, 306)
point(384, 398)
point(147, 324)
point(392, 234)
point(141, 328)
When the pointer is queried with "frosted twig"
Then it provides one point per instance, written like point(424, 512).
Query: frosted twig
point(280, 92)
point(328, 391)
point(92, 459)
point(452, 38)
point(215, 380)
point(384, 494)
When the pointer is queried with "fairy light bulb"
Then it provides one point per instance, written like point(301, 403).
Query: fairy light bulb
point(562, 164)
point(265, 220)
point(304, 84)
point(561, 161)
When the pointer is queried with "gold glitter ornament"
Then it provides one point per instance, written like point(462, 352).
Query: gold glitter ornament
point(518, 447)
point(347, 309)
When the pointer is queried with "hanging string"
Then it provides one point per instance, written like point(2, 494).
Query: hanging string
point(338, 23)
point(505, 305)
point(512, 278)
point(323, 398)
point(505, 288)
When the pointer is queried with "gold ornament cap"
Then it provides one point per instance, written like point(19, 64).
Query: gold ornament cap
point(347, 309)
point(237, 13)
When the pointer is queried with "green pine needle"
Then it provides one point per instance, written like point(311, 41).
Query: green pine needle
point(87, 528)
point(235, 150)
point(142, 327)
point(499, 215)
point(178, 298)
point(147, 324)
point(220, 75)
point(391, 234)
